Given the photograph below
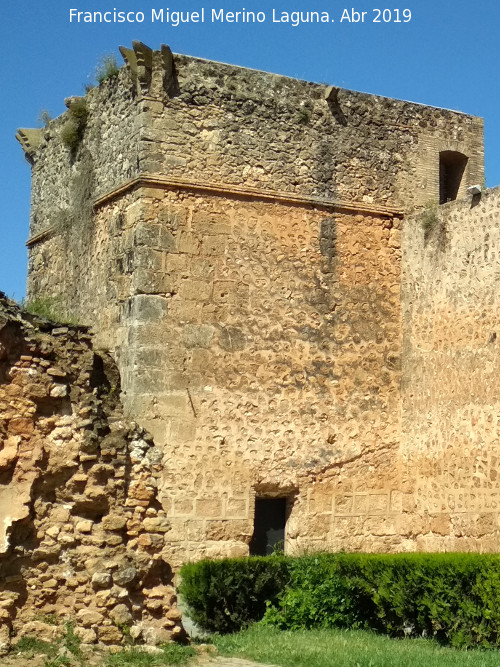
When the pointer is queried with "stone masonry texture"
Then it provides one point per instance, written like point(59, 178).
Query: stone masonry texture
point(243, 246)
point(81, 528)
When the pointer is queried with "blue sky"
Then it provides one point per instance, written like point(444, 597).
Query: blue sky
point(447, 56)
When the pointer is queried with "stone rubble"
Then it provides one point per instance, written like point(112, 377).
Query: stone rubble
point(81, 527)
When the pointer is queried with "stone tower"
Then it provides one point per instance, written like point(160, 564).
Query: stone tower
point(234, 239)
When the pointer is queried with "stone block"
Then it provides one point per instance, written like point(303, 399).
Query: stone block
point(147, 234)
point(182, 507)
point(150, 282)
point(232, 339)
point(236, 508)
point(321, 500)
point(148, 258)
point(125, 575)
point(149, 381)
point(378, 503)
point(114, 522)
point(9, 453)
point(174, 404)
point(213, 245)
point(205, 225)
point(84, 526)
point(89, 617)
point(167, 241)
point(361, 504)
point(188, 243)
point(109, 634)
point(101, 580)
point(156, 524)
point(195, 290)
point(146, 308)
point(198, 335)
point(209, 508)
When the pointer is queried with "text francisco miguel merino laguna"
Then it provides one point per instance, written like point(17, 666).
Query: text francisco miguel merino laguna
point(217, 15)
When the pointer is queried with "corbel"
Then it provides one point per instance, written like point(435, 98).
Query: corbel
point(144, 58)
point(170, 83)
point(30, 140)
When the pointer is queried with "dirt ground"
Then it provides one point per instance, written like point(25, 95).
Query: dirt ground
point(95, 659)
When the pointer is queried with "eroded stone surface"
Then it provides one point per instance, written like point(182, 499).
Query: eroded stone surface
point(71, 523)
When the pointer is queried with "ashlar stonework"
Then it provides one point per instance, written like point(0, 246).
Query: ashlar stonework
point(243, 246)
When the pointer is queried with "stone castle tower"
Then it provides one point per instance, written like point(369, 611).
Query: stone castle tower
point(240, 242)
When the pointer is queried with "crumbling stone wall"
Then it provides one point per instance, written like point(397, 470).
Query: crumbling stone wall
point(451, 363)
point(81, 529)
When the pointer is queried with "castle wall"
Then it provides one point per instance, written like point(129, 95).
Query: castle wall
point(272, 360)
point(451, 363)
point(65, 180)
point(243, 265)
point(239, 126)
point(225, 125)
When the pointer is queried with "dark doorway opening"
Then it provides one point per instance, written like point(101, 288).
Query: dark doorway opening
point(269, 526)
point(451, 170)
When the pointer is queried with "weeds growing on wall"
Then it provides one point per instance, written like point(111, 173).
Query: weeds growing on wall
point(44, 117)
point(304, 115)
point(429, 218)
point(433, 224)
point(74, 127)
point(107, 68)
point(51, 308)
point(63, 652)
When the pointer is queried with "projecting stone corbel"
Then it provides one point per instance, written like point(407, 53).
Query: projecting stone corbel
point(331, 94)
point(170, 83)
point(130, 59)
point(144, 56)
point(29, 139)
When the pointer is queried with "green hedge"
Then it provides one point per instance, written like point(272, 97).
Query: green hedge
point(453, 597)
point(227, 595)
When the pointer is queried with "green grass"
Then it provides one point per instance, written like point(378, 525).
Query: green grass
point(31, 646)
point(345, 648)
point(34, 646)
point(172, 654)
point(50, 308)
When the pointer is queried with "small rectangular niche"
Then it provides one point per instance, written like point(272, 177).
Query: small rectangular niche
point(269, 526)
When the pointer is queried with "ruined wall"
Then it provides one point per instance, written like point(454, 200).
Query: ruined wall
point(81, 530)
point(451, 406)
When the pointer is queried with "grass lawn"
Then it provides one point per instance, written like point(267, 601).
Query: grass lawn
point(350, 648)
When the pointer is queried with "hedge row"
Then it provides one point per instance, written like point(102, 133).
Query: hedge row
point(227, 595)
point(453, 597)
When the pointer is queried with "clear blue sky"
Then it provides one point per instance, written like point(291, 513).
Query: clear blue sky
point(447, 56)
